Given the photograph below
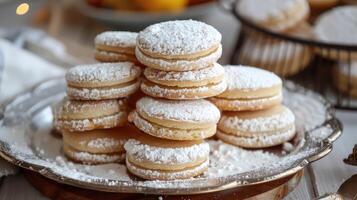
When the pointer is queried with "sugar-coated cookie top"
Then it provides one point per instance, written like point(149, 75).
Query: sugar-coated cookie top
point(160, 155)
point(190, 111)
point(338, 25)
point(276, 118)
point(243, 77)
point(178, 37)
point(116, 38)
point(102, 72)
point(264, 10)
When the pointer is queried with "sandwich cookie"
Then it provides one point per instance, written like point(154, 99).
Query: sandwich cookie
point(102, 81)
point(115, 46)
point(181, 45)
point(249, 88)
point(338, 26)
point(257, 129)
point(89, 115)
point(345, 78)
point(276, 15)
point(195, 84)
point(160, 159)
point(176, 120)
point(98, 146)
point(282, 58)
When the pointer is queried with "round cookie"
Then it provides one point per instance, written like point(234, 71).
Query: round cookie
point(276, 15)
point(249, 88)
point(98, 146)
point(182, 93)
point(345, 78)
point(91, 158)
point(160, 159)
point(211, 75)
point(115, 46)
point(176, 120)
point(337, 26)
point(282, 58)
point(181, 45)
point(102, 81)
point(100, 140)
point(75, 115)
point(257, 129)
point(107, 56)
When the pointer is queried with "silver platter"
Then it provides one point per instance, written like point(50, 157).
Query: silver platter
point(26, 124)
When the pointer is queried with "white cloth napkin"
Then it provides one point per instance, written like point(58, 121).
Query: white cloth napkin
point(21, 70)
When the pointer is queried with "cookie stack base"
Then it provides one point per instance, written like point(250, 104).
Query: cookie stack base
point(167, 174)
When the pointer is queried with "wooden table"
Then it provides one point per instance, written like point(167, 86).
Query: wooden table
point(323, 176)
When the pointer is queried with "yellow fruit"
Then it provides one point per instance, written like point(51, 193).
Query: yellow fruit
point(160, 5)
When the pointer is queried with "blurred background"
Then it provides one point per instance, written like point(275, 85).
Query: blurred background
point(76, 23)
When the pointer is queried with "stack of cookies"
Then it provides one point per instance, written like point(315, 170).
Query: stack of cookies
point(93, 109)
point(253, 116)
point(115, 46)
point(181, 69)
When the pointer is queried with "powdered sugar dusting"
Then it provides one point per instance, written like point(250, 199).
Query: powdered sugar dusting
point(179, 64)
point(227, 159)
point(184, 93)
point(266, 11)
point(105, 143)
point(178, 37)
point(258, 140)
point(86, 157)
point(170, 175)
point(73, 106)
point(191, 111)
point(102, 93)
point(244, 77)
point(197, 75)
point(102, 72)
point(90, 124)
point(338, 25)
point(164, 132)
point(28, 139)
point(170, 156)
point(259, 124)
point(116, 38)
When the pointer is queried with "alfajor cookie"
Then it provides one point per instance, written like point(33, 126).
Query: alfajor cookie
point(337, 26)
point(176, 120)
point(75, 115)
point(98, 146)
point(102, 81)
point(257, 129)
point(282, 58)
point(345, 78)
point(91, 158)
point(195, 84)
point(276, 15)
point(115, 46)
point(181, 45)
point(160, 159)
point(249, 88)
